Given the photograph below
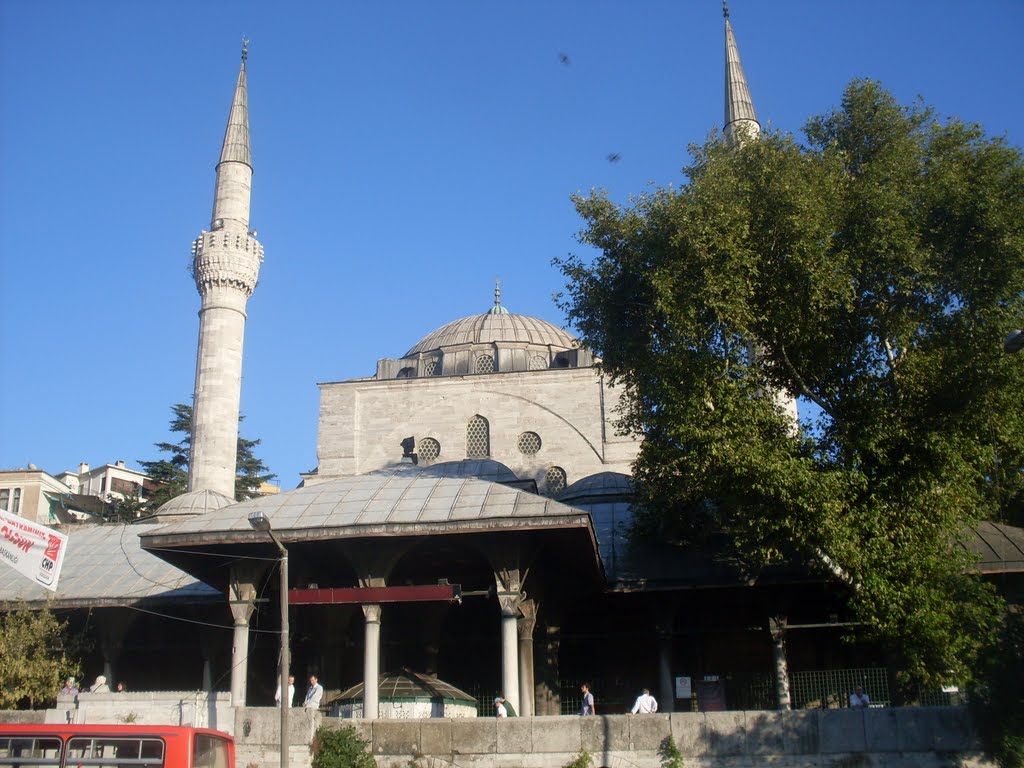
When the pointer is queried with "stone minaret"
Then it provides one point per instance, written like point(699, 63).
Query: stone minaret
point(225, 264)
point(741, 125)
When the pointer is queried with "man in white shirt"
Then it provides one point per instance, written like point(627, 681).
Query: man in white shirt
point(291, 692)
point(499, 708)
point(314, 694)
point(859, 699)
point(645, 704)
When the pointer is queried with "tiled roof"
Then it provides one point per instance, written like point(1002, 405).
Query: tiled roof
point(494, 327)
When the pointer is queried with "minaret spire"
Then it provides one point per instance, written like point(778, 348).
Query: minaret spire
point(740, 117)
point(225, 264)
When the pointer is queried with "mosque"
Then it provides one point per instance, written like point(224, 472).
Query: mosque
point(467, 521)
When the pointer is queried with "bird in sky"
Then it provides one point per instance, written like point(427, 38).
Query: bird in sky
point(614, 157)
point(564, 58)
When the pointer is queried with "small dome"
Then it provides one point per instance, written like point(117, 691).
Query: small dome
point(494, 327)
point(193, 503)
point(598, 486)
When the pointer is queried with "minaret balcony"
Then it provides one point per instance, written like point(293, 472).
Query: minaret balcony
point(226, 259)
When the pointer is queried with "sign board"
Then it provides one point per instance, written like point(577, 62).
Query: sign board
point(711, 696)
point(35, 551)
point(684, 688)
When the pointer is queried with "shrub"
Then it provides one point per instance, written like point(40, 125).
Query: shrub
point(341, 748)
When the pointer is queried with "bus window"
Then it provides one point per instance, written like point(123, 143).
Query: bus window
point(29, 751)
point(111, 751)
point(210, 752)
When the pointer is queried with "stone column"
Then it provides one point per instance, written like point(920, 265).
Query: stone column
point(509, 602)
point(548, 696)
point(371, 662)
point(777, 628)
point(664, 626)
point(113, 629)
point(242, 601)
point(666, 689)
point(525, 625)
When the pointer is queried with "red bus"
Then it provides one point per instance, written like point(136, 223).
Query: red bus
point(113, 746)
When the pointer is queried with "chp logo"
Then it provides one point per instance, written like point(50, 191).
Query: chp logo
point(49, 561)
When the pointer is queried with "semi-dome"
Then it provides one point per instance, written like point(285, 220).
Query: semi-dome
point(493, 327)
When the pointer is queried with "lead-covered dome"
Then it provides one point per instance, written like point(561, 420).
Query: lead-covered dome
point(496, 341)
point(492, 327)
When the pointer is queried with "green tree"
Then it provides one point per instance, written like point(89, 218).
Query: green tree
point(36, 654)
point(172, 472)
point(872, 272)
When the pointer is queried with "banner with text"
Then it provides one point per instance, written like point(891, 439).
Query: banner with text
point(33, 550)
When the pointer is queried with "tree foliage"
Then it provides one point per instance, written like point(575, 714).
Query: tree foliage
point(341, 748)
point(871, 271)
point(172, 472)
point(36, 655)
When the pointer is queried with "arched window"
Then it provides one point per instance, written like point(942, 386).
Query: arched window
point(478, 438)
point(485, 364)
point(554, 481)
point(428, 450)
point(407, 373)
point(538, 363)
point(432, 368)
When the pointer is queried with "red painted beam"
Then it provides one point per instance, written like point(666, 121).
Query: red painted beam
point(431, 592)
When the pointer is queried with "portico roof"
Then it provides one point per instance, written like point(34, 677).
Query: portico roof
point(398, 501)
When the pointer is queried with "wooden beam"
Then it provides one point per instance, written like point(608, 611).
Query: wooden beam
point(449, 593)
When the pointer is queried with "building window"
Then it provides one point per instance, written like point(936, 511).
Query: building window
point(554, 481)
point(478, 438)
point(428, 450)
point(529, 443)
point(538, 363)
point(5, 499)
point(432, 368)
point(485, 364)
point(407, 373)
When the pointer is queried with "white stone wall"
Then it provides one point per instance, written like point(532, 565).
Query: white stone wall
point(363, 422)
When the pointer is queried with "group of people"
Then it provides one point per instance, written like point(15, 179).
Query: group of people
point(314, 693)
point(100, 686)
point(645, 704)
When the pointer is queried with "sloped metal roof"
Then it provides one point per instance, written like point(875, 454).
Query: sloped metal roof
point(408, 686)
point(106, 566)
point(387, 502)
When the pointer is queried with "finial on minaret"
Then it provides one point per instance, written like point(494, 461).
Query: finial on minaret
point(497, 292)
point(725, 8)
point(245, 47)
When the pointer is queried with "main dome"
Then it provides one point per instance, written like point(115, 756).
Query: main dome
point(493, 327)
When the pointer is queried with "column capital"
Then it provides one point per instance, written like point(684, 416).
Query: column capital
point(509, 603)
point(777, 627)
point(372, 612)
point(527, 620)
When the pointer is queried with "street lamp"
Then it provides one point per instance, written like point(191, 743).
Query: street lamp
point(1014, 342)
point(260, 522)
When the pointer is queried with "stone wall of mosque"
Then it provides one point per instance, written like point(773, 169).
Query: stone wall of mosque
point(532, 421)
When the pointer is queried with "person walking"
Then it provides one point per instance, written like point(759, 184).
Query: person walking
point(645, 704)
point(587, 705)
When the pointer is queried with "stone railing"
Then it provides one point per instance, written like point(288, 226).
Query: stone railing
point(196, 708)
point(918, 737)
point(915, 737)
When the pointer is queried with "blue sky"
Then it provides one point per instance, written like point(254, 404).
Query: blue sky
point(406, 154)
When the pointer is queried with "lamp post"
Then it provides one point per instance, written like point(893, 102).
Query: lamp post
point(260, 522)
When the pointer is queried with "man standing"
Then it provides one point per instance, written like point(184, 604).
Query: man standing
point(859, 699)
point(291, 692)
point(645, 704)
point(587, 705)
point(314, 694)
point(499, 707)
